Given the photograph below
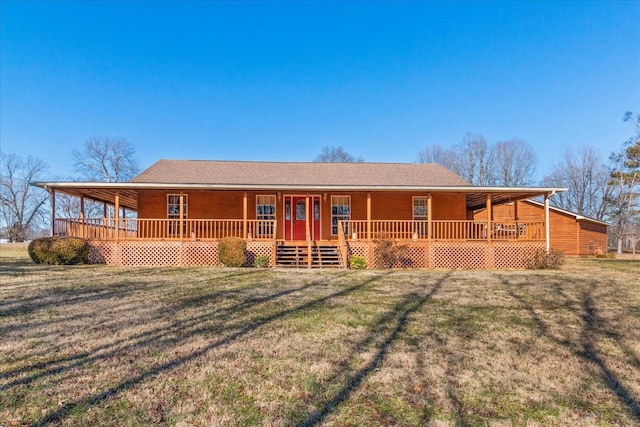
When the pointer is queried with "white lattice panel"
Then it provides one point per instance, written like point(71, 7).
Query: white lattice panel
point(361, 249)
point(415, 255)
point(445, 255)
point(255, 249)
point(459, 255)
point(516, 255)
point(199, 253)
point(134, 253)
point(103, 253)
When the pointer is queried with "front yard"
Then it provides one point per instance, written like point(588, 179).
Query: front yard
point(95, 345)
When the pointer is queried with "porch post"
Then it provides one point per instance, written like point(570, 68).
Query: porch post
point(105, 222)
point(308, 232)
point(181, 213)
point(53, 212)
point(489, 208)
point(245, 209)
point(429, 223)
point(116, 209)
point(83, 226)
point(369, 215)
point(546, 222)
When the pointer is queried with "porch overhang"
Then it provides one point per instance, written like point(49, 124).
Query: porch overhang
point(105, 192)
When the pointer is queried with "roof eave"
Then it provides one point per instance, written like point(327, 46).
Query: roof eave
point(284, 187)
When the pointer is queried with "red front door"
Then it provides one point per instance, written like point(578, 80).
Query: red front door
point(295, 217)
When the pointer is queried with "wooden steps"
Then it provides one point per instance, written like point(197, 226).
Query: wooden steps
point(297, 256)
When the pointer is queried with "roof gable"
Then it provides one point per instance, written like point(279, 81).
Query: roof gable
point(298, 174)
point(574, 215)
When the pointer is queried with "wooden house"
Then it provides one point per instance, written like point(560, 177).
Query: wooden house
point(569, 232)
point(305, 214)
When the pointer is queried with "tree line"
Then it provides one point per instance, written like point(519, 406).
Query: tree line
point(605, 189)
point(24, 210)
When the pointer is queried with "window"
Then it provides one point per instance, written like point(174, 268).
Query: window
point(265, 212)
point(266, 207)
point(301, 211)
point(340, 211)
point(420, 213)
point(173, 212)
point(420, 208)
point(173, 206)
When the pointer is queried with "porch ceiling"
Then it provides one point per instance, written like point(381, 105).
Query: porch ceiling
point(128, 198)
point(477, 201)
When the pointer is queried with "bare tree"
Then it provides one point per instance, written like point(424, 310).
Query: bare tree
point(586, 176)
point(336, 155)
point(475, 162)
point(69, 207)
point(22, 205)
point(506, 163)
point(440, 155)
point(105, 158)
point(514, 163)
point(625, 179)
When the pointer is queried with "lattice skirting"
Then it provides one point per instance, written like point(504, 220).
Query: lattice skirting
point(454, 255)
point(160, 253)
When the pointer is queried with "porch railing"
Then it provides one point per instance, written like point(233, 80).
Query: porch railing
point(164, 229)
point(342, 245)
point(444, 230)
point(214, 229)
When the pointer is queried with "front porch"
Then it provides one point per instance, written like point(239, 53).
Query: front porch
point(469, 244)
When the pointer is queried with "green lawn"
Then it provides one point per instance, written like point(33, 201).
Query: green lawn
point(96, 345)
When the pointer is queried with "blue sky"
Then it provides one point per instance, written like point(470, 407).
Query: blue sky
point(280, 80)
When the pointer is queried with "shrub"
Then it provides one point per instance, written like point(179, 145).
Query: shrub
point(261, 261)
point(541, 260)
point(388, 253)
point(357, 262)
point(232, 252)
point(59, 250)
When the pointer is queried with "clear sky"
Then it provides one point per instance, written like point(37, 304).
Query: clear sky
point(279, 80)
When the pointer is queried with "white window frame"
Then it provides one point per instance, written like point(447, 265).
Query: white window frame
point(420, 228)
point(264, 200)
point(425, 200)
point(174, 214)
point(339, 217)
point(176, 205)
point(260, 201)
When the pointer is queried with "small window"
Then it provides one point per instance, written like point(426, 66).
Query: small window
point(173, 212)
point(420, 214)
point(340, 211)
point(266, 207)
point(420, 208)
point(173, 206)
point(301, 210)
point(265, 213)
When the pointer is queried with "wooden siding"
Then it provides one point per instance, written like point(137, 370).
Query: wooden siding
point(229, 205)
point(573, 237)
point(593, 237)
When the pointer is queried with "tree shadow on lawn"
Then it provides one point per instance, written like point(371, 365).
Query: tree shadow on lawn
point(384, 333)
point(188, 327)
point(157, 337)
point(594, 327)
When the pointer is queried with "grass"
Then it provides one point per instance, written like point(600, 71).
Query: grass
point(95, 345)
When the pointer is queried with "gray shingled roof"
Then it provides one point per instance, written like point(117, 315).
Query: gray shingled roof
point(298, 174)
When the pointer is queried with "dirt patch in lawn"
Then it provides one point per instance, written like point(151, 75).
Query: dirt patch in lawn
point(103, 345)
